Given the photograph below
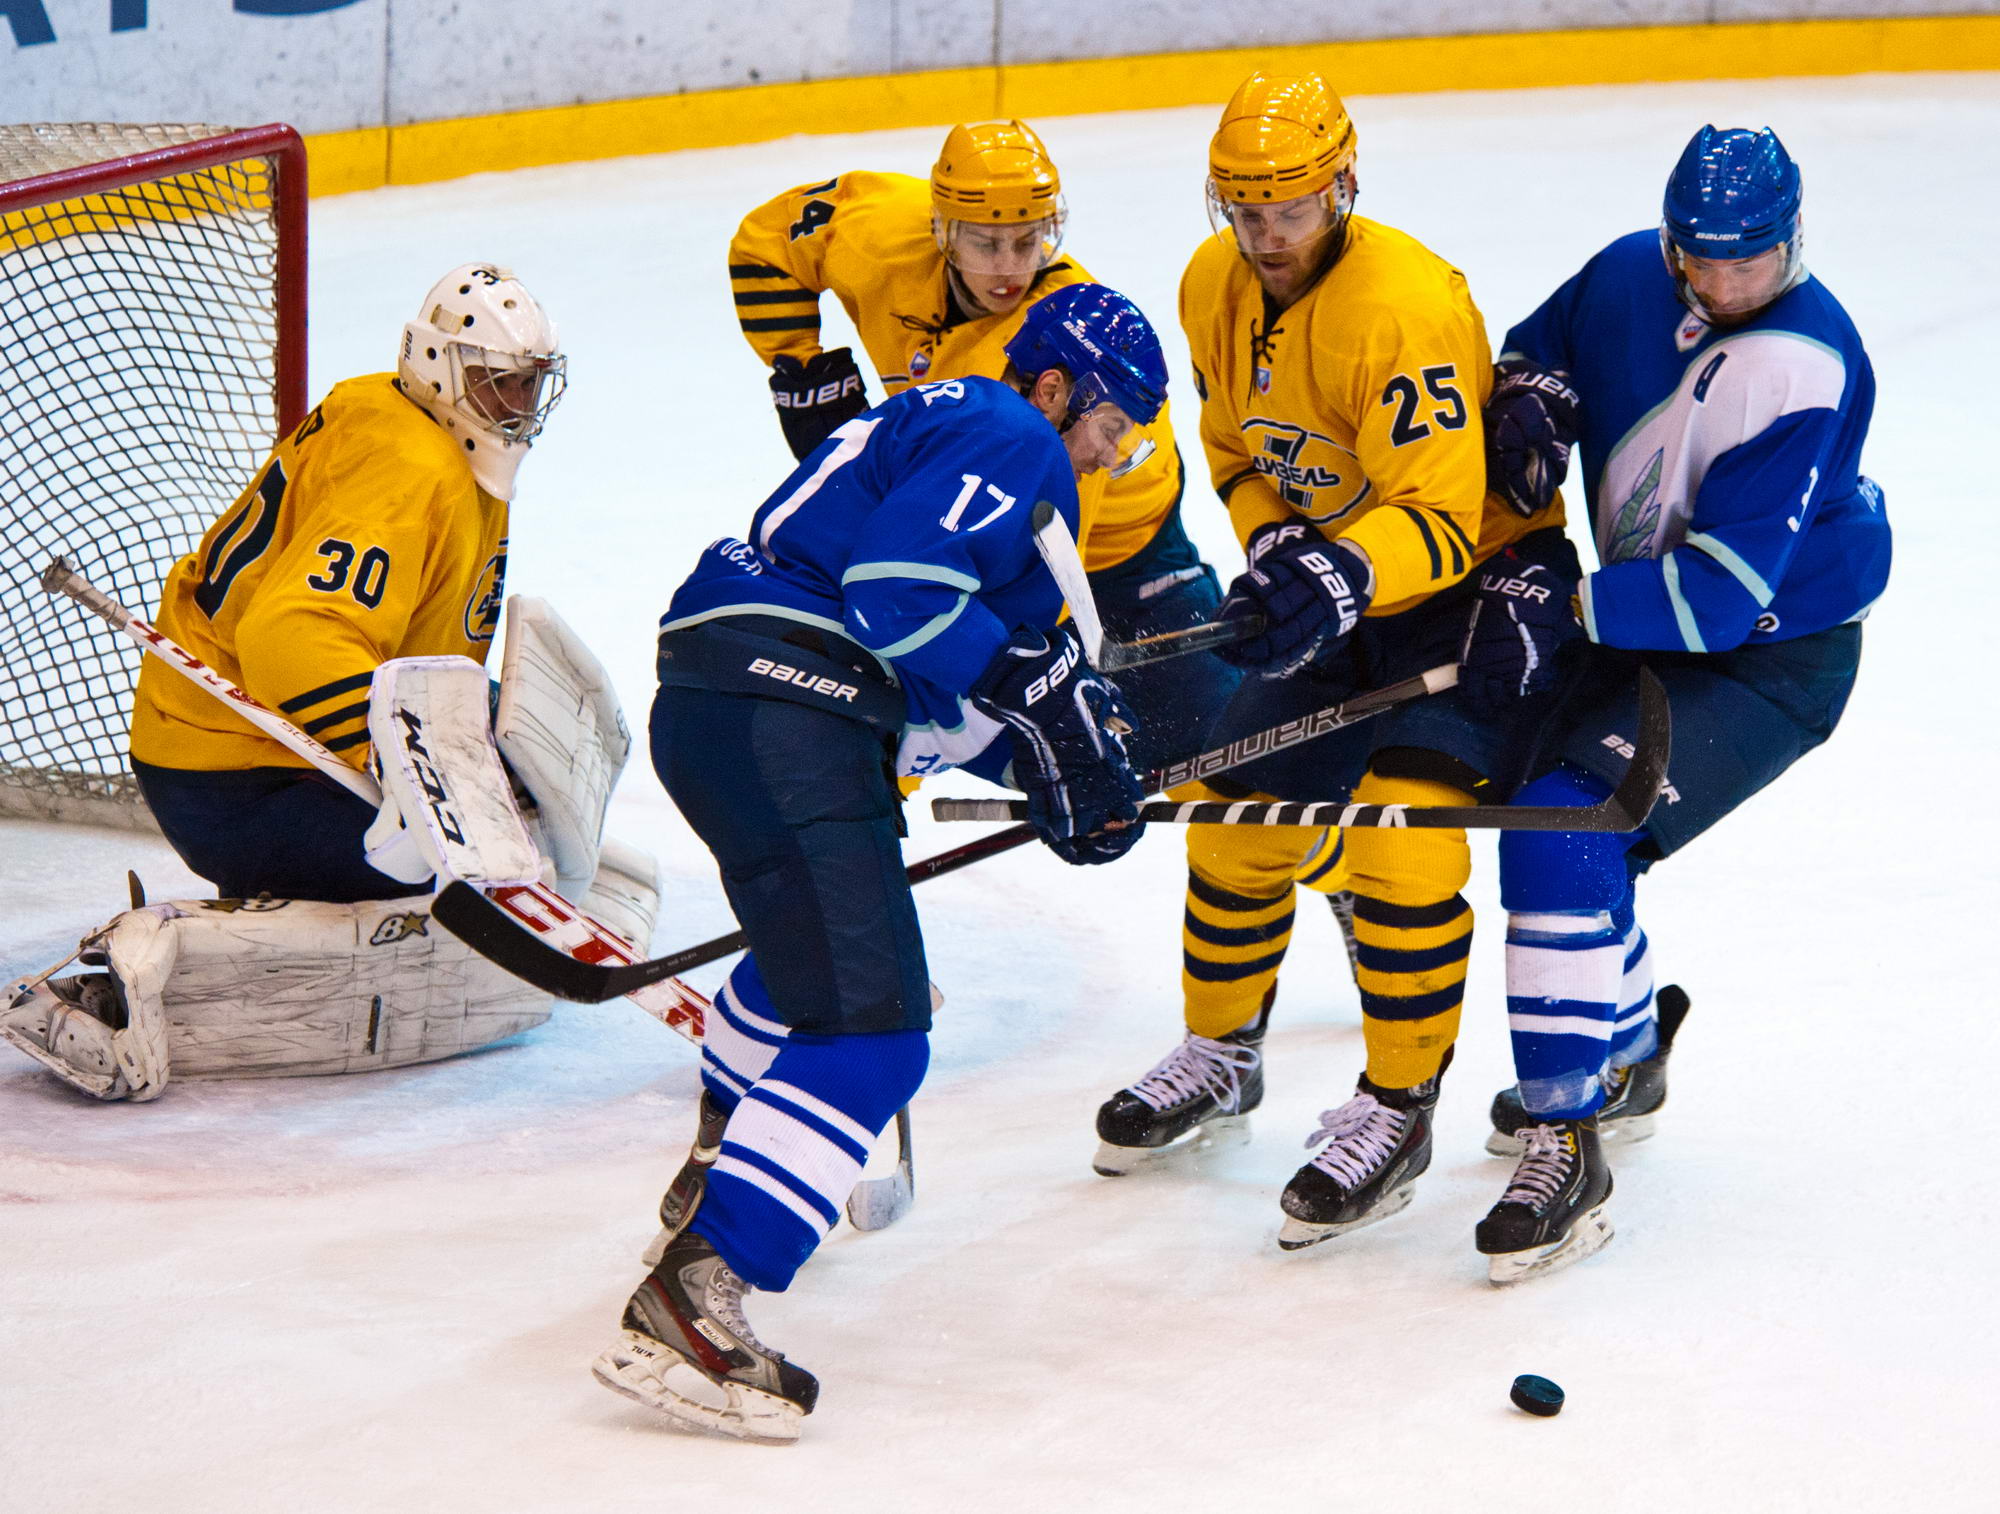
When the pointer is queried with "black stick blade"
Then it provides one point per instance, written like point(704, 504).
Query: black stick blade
point(502, 940)
point(1639, 790)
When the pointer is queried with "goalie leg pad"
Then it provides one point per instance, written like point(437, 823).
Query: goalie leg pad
point(625, 894)
point(280, 988)
point(102, 1033)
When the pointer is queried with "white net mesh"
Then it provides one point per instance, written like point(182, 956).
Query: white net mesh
point(139, 331)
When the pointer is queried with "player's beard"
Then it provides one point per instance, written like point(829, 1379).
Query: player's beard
point(1294, 271)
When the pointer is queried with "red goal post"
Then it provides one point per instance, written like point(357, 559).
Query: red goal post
point(152, 350)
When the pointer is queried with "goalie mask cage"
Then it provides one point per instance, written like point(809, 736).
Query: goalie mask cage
point(152, 350)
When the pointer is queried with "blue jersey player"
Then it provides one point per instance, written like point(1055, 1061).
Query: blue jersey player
point(890, 610)
point(1720, 397)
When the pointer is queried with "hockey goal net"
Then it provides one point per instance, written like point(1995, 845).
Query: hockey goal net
point(152, 349)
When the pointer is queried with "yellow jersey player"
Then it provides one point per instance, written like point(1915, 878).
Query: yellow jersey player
point(1342, 368)
point(376, 530)
point(936, 278)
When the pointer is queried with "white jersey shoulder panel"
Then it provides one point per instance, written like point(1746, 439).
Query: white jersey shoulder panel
point(1727, 395)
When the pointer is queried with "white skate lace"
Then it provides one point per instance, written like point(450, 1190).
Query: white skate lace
point(1361, 1136)
point(1543, 1168)
point(1196, 1066)
point(725, 1303)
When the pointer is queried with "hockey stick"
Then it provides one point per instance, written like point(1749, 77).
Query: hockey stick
point(482, 922)
point(543, 910)
point(1625, 809)
point(705, 952)
point(1058, 549)
point(877, 1203)
point(1147, 650)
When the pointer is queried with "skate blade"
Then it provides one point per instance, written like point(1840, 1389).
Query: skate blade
point(1217, 1135)
point(659, 1377)
point(1626, 1132)
point(1299, 1234)
point(1586, 1237)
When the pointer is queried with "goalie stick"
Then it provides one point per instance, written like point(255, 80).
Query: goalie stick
point(567, 928)
point(873, 1204)
point(1625, 809)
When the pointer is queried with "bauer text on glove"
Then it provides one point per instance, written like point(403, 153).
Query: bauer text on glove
point(1067, 723)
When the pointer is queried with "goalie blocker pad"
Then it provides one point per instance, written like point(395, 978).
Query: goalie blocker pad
point(561, 730)
point(447, 808)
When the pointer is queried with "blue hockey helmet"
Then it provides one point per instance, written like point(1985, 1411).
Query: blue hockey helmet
point(1105, 344)
point(1734, 195)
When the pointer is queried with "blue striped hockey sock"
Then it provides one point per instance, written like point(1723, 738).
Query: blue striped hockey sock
point(796, 1143)
point(1579, 975)
point(744, 1034)
point(1563, 971)
point(1636, 1035)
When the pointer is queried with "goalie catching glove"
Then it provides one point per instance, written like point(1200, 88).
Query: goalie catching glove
point(815, 397)
point(1068, 725)
point(1311, 593)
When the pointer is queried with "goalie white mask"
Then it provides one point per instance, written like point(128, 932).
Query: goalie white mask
point(482, 358)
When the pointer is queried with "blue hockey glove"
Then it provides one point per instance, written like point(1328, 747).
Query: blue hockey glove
point(1068, 725)
point(1310, 591)
point(814, 397)
point(1530, 427)
point(1523, 615)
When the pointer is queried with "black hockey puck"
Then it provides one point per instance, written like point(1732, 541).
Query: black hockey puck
point(1536, 1395)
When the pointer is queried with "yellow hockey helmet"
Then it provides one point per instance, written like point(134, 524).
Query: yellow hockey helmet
point(1282, 136)
point(995, 172)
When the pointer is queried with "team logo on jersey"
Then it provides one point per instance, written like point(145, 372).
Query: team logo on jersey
point(1690, 332)
point(1314, 474)
point(1638, 519)
point(482, 610)
point(1262, 378)
point(920, 364)
point(400, 927)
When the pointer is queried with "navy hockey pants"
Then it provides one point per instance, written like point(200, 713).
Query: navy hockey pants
point(286, 832)
point(800, 811)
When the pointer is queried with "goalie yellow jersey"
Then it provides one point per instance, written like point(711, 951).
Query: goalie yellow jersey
point(1356, 407)
point(362, 538)
point(867, 238)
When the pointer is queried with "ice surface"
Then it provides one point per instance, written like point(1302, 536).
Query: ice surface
point(382, 1293)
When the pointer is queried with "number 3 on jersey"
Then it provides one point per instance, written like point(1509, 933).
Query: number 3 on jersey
point(366, 585)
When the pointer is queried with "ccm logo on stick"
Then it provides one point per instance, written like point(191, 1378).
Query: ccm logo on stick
point(804, 680)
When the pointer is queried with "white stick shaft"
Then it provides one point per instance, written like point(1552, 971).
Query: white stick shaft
point(60, 578)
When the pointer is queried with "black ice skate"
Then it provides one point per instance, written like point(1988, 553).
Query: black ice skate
point(1553, 1212)
point(1377, 1145)
point(683, 1195)
point(1200, 1097)
point(1632, 1098)
point(687, 1350)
